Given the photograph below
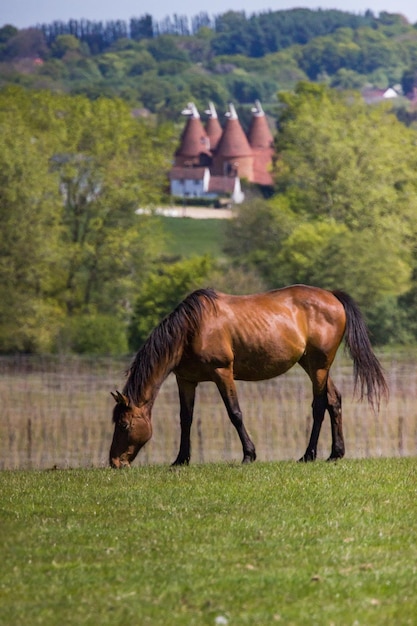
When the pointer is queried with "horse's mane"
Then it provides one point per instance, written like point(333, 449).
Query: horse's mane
point(163, 348)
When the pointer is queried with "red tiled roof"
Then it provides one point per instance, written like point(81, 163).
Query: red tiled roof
point(194, 140)
point(187, 173)
point(214, 132)
point(221, 184)
point(261, 167)
point(213, 127)
point(233, 142)
point(259, 135)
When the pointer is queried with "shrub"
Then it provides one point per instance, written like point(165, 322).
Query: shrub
point(93, 334)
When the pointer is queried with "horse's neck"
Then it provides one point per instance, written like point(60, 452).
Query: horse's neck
point(144, 392)
point(147, 374)
point(150, 392)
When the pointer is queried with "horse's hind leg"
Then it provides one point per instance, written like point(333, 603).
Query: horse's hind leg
point(227, 388)
point(328, 398)
point(334, 406)
point(187, 397)
point(319, 408)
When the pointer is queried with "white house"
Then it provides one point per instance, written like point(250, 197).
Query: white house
point(189, 182)
point(197, 182)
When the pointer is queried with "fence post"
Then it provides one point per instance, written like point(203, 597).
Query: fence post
point(30, 441)
point(200, 441)
point(401, 435)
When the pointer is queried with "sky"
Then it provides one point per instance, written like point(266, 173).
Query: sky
point(26, 13)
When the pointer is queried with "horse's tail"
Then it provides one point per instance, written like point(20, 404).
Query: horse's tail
point(366, 367)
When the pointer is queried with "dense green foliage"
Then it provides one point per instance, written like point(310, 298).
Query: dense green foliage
point(277, 542)
point(161, 66)
point(162, 291)
point(72, 174)
point(343, 215)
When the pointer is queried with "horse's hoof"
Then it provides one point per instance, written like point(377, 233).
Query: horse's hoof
point(307, 458)
point(179, 462)
point(335, 457)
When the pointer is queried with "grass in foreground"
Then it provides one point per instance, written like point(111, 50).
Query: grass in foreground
point(262, 544)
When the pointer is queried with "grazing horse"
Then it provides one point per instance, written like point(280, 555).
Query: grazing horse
point(212, 336)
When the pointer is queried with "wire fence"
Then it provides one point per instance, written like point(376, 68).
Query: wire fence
point(56, 412)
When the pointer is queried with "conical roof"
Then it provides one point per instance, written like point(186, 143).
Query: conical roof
point(233, 142)
point(259, 135)
point(262, 143)
point(213, 127)
point(194, 139)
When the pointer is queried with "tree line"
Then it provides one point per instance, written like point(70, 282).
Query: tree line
point(81, 271)
point(232, 57)
point(233, 31)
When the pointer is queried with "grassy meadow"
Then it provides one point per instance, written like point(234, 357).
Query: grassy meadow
point(219, 543)
point(194, 237)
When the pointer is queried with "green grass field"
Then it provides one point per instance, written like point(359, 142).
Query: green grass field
point(191, 237)
point(211, 544)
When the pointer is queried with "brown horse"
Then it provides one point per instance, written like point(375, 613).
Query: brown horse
point(212, 336)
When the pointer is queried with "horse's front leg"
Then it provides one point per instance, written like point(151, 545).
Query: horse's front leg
point(186, 391)
point(227, 388)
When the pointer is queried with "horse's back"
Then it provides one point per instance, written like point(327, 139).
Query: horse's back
point(302, 304)
point(265, 334)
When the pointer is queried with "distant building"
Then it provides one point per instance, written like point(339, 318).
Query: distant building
point(372, 95)
point(211, 161)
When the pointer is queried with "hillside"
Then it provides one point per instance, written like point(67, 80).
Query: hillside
point(158, 67)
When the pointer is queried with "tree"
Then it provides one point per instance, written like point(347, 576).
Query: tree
point(409, 80)
point(72, 174)
point(377, 50)
point(344, 160)
point(163, 289)
point(141, 28)
point(329, 55)
point(330, 255)
point(109, 165)
point(232, 34)
point(166, 48)
point(256, 234)
point(144, 62)
point(348, 79)
point(28, 43)
point(30, 270)
point(66, 45)
point(6, 33)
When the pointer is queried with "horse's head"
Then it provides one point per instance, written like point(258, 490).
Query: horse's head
point(132, 429)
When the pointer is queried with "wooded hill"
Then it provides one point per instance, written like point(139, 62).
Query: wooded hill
point(160, 66)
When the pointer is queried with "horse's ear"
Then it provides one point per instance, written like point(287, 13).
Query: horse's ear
point(120, 398)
